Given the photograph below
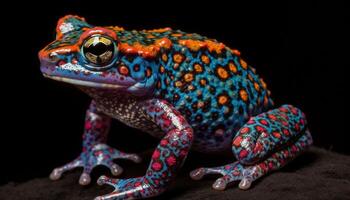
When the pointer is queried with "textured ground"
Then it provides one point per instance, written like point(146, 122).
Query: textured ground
point(317, 174)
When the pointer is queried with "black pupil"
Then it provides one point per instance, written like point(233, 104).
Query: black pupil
point(99, 48)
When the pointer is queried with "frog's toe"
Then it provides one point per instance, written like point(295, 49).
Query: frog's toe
point(57, 172)
point(230, 173)
point(84, 179)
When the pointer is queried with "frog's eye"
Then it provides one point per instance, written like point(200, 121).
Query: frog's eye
point(98, 50)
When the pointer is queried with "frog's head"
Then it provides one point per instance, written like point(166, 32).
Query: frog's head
point(91, 56)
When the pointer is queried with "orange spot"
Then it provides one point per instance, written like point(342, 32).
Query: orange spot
point(263, 83)
point(178, 58)
point(150, 36)
point(250, 78)
point(276, 134)
point(200, 104)
point(243, 64)
point(235, 52)
point(205, 59)
point(243, 94)
point(203, 82)
point(222, 72)
point(123, 70)
point(161, 69)
point(222, 99)
point(188, 77)
point(190, 87)
point(232, 67)
point(266, 101)
point(178, 84)
point(148, 72)
point(256, 86)
point(198, 68)
point(164, 57)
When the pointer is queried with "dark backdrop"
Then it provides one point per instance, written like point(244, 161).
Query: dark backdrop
point(295, 47)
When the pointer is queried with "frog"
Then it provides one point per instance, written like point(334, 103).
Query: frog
point(189, 91)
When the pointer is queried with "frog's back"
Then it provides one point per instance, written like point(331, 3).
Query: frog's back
point(207, 82)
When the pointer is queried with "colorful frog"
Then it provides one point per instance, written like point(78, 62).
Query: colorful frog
point(189, 91)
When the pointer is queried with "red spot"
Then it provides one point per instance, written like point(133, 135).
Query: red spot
point(171, 160)
point(156, 154)
point(258, 147)
point(283, 109)
point(244, 130)
point(264, 122)
point(156, 166)
point(286, 132)
point(284, 123)
point(137, 184)
point(273, 117)
point(243, 153)
point(260, 129)
point(227, 167)
point(263, 166)
point(88, 125)
point(164, 142)
point(297, 127)
point(294, 111)
point(270, 165)
point(276, 134)
point(237, 141)
point(166, 121)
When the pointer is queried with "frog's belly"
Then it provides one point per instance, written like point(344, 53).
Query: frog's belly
point(209, 140)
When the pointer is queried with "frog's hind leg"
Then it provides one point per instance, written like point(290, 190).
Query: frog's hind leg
point(264, 144)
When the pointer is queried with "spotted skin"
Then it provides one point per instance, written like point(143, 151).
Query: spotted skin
point(190, 91)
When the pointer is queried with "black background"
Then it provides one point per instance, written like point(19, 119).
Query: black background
point(295, 47)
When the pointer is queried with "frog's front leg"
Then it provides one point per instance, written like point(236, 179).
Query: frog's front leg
point(166, 160)
point(95, 150)
point(264, 144)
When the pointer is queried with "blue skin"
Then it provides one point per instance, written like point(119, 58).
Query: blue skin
point(189, 91)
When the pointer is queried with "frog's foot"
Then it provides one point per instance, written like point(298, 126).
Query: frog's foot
point(231, 172)
point(132, 188)
point(264, 144)
point(99, 154)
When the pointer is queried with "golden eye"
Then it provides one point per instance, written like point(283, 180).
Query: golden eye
point(98, 50)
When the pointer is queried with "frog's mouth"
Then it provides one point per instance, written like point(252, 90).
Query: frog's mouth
point(84, 83)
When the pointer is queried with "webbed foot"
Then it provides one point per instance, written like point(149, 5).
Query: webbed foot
point(231, 172)
point(99, 154)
